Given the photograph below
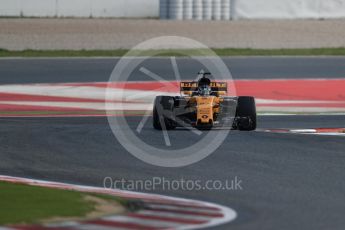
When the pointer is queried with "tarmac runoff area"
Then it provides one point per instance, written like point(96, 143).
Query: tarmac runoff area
point(105, 34)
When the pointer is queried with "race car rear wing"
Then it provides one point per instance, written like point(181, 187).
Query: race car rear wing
point(218, 88)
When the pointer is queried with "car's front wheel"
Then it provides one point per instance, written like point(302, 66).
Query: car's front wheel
point(163, 113)
point(246, 109)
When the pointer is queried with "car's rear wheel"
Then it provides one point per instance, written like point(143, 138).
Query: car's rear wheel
point(163, 113)
point(246, 109)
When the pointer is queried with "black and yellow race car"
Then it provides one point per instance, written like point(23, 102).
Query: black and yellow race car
point(203, 105)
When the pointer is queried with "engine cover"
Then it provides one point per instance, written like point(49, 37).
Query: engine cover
point(204, 109)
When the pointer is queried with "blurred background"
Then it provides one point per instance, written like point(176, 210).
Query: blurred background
point(176, 9)
point(270, 24)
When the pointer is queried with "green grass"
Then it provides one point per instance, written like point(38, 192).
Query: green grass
point(171, 52)
point(62, 53)
point(29, 204)
point(282, 52)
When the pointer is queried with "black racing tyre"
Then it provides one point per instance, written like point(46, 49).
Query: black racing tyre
point(246, 108)
point(163, 111)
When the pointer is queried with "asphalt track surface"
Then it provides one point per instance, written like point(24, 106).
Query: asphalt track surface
point(40, 70)
point(289, 181)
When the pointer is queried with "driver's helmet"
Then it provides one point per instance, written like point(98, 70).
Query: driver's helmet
point(204, 90)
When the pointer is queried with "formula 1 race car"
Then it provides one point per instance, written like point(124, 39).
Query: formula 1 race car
point(203, 105)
